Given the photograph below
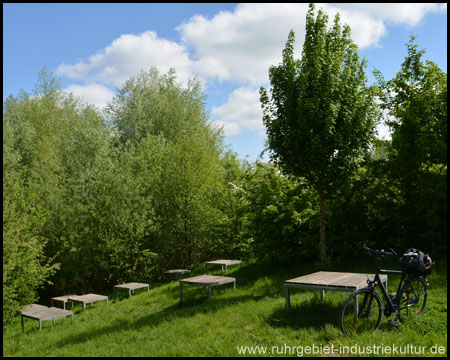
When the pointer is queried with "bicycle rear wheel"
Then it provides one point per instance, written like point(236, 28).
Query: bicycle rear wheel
point(361, 312)
point(413, 298)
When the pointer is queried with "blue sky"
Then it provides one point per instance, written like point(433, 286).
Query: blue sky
point(94, 48)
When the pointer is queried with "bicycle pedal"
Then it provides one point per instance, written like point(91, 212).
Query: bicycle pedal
point(396, 319)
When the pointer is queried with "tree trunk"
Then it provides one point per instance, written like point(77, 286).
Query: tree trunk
point(323, 253)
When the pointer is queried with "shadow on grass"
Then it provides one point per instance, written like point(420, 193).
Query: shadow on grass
point(312, 314)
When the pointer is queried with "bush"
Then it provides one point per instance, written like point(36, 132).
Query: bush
point(25, 268)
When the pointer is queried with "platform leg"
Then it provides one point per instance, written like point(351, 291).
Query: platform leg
point(288, 300)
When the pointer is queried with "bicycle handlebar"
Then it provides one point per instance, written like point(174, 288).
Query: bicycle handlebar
point(379, 254)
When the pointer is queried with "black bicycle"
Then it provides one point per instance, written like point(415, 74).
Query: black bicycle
point(408, 302)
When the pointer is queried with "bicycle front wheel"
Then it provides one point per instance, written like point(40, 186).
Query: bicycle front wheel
point(361, 312)
point(413, 298)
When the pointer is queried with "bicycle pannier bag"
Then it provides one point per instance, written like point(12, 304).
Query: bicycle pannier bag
point(415, 262)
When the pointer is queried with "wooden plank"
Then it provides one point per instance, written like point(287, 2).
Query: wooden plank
point(208, 280)
point(312, 279)
point(348, 280)
point(333, 279)
point(318, 278)
point(355, 280)
point(224, 262)
point(132, 286)
point(62, 298)
point(177, 271)
point(48, 314)
point(33, 308)
point(87, 298)
point(330, 278)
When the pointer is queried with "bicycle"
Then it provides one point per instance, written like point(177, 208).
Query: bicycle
point(409, 301)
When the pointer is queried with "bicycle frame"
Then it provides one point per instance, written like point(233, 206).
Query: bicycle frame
point(392, 304)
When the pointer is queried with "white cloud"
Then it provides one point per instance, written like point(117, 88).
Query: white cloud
point(94, 94)
point(127, 56)
point(366, 30)
point(242, 110)
point(241, 45)
point(237, 46)
point(229, 128)
point(395, 13)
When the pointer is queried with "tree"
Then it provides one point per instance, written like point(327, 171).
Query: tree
point(278, 214)
point(152, 109)
point(321, 115)
point(416, 100)
point(25, 266)
point(58, 144)
point(153, 103)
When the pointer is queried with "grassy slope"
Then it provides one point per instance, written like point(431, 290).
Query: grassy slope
point(154, 324)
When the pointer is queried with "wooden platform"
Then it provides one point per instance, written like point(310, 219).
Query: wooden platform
point(206, 281)
point(329, 281)
point(87, 299)
point(223, 263)
point(42, 313)
point(177, 272)
point(62, 299)
point(130, 287)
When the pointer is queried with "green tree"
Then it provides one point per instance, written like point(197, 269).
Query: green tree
point(58, 141)
point(153, 103)
point(321, 115)
point(416, 100)
point(230, 232)
point(154, 109)
point(25, 266)
point(366, 207)
point(279, 213)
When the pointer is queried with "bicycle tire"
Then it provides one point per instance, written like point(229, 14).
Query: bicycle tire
point(413, 299)
point(370, 312)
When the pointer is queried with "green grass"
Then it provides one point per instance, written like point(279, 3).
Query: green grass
point(155, 324)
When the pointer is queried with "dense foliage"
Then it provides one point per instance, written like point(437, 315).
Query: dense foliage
point(91, 199)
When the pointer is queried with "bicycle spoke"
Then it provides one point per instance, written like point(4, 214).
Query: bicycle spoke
point(413, 299)
point(361, 312)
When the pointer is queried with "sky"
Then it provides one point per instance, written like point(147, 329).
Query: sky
point(95, 48)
